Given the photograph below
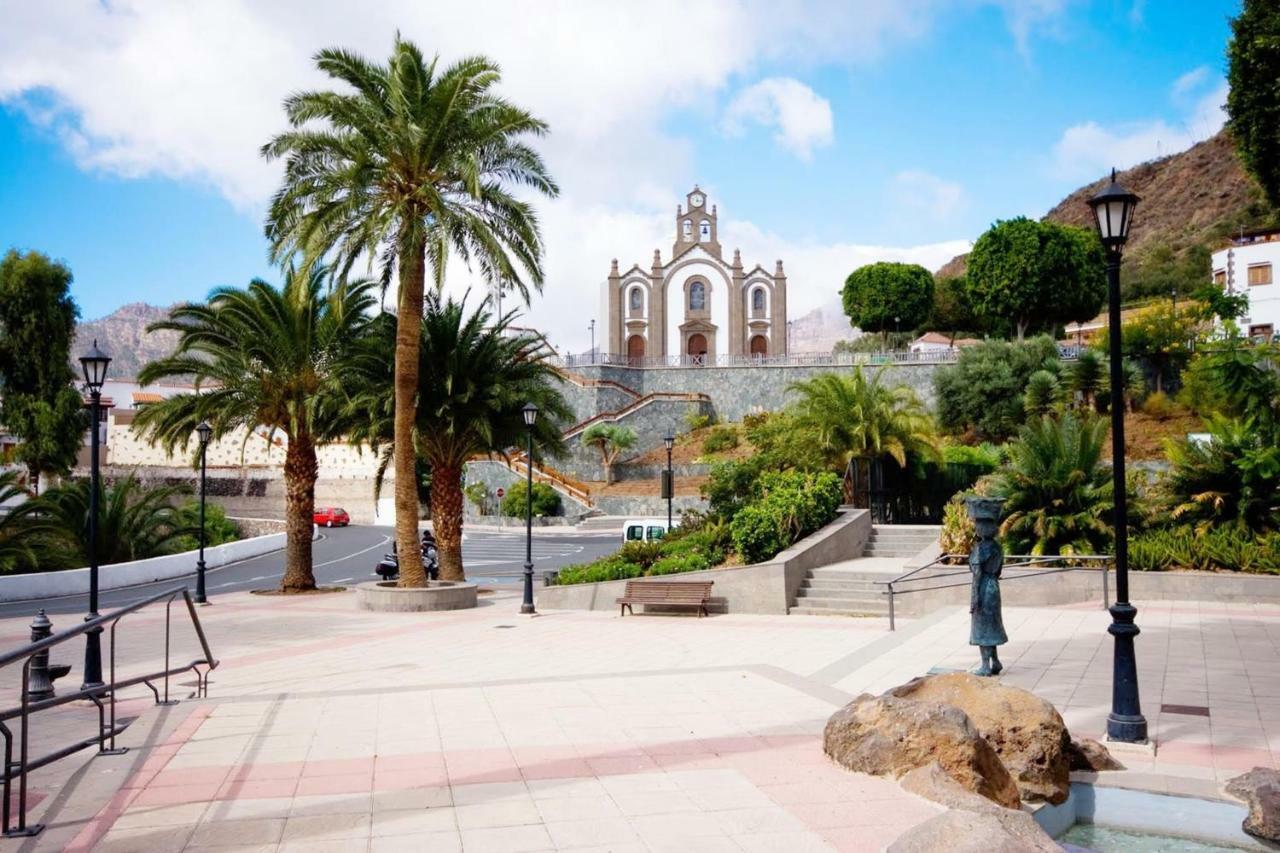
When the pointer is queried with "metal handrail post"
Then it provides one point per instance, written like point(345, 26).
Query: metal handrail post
point(892, 625)
point(1106, 592)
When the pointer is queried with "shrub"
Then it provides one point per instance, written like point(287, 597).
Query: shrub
point(720, 438)
point(218, 529)
point(1041, 394)
point(958, 532)
point(986, 388)
point(1233, 478)
point(986, 455)
point(695, 420)
point(1217, 549)
point(546, 501)
point(643, 554)
point(792, 504)
point(678, 563)
point(609, 569)
point(478, 494)
point(1159, 406)
point(732, 484)
point(753, 420)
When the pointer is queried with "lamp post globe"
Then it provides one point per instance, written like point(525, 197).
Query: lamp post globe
point(94, 364)
point(530, 412)
point(1113, 209)
point(204, 431)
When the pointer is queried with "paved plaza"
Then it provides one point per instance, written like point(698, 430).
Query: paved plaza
point(327, 728)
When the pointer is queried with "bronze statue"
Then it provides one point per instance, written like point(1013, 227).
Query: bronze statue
point(986, 560)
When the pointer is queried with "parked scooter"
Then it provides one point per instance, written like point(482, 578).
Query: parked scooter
point(388, 568)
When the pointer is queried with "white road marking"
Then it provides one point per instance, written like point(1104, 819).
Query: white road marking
point(385, 540)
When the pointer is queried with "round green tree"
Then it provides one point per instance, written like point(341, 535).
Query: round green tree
point(1253, 102)
point(888, 296)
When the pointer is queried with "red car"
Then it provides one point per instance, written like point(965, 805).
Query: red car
point(331, 516)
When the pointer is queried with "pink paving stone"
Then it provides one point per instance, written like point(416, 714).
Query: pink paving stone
point(140, 779)
point(474, 766)
point(357, 783)
point(689, 761)
point(556, 768)
point(338, 767)
point(618, 765)
point(260, 789)
point(673, 747)
point(1241, 758)
point(190, 776)
point(176, 794)
point(1175, 752)
point(404, 780)
point(267, 770)
point(730, 745)
point(421, 761)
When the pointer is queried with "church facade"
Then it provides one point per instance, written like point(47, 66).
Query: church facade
point(696, 305)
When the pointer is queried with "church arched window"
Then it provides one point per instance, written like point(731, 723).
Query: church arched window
point(757, 299)
point(637, 299)
point(705, 230)
point(697, 296)
point(688, 228)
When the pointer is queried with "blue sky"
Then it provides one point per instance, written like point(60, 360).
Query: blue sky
point(829, 134)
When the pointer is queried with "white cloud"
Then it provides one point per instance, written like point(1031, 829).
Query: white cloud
point(802, 116)
point(1189, 82)
point(921, 192)
point(1089, 150)
point(191, 91)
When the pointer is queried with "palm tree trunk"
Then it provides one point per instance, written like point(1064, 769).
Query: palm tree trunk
point(300, 470)
point(446, 518)
point(408, 342)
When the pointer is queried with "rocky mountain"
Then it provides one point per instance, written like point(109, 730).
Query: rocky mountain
point(123, 335)
point(1196, 197)
point(819, 330)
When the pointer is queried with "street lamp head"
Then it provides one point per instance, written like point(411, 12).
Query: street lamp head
point(204, 431)
point(1113, 213)
point(669, 441)
point(530, 414)
point(94, 364)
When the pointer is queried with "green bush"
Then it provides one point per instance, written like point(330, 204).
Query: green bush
point(732, 484)
point(678, 563)
point(609, 569)
point(1041, 394)
point(694, 419)
point(711, 543)
point(546, 501)
point(1217, 549)
point(218, 529)
point(985, 456)
point(985, 390)
point(792, 504)
point(1159, 406)
point(643, 554)
point(720, 438)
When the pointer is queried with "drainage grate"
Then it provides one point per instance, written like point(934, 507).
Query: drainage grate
point(504, 626)
point(1189, 710)
point(944, 670)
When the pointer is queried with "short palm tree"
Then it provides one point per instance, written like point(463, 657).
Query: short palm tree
point(412, 163)
point(855, 417)
point(611, 440)
point(475, 377)
point(1057, 492)
point(1232, 479)
point(134, 522)
point(18, 551)
point(279, 359)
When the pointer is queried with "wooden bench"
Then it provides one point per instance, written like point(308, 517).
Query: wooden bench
point(671, 593)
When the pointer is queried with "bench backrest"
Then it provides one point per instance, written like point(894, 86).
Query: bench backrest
point(659, 591)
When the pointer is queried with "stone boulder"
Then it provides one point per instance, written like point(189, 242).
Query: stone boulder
point(1260, 788)
point(1025, 731)
point(889, 736)
point(963, 831)
point(1087, 754)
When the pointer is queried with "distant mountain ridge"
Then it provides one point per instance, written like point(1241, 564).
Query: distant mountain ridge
point(1196, 197)
point(123, 335)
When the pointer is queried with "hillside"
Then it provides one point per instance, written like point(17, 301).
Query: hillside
point(1196, 197)
point(123, 335)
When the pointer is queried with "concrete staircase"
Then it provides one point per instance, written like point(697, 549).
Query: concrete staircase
point(839, 591)
point(900, 540)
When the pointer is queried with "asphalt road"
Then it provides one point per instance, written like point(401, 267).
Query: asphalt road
point(345, 555)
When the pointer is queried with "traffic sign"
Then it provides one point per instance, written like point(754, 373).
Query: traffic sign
point(502, 493)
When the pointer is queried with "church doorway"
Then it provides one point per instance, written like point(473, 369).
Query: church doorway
point(759, 345)
point(635, 347)
point(697, 346)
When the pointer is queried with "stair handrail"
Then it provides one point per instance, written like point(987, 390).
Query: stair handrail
point(1091, 562)
point(95, 694)
point(636, 405)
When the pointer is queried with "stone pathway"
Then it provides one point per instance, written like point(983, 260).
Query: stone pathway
point(335, 729)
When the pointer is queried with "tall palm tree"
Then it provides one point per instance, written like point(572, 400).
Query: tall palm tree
point(1057, 492)
point(279, 359)
point(412, 163)
point(856, 417)
point(474, 380)
point(134, 522)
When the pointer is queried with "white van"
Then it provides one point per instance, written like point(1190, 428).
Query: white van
point(644, 529)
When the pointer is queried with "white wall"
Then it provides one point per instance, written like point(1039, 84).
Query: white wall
point(1264, 299)
point(719, 297)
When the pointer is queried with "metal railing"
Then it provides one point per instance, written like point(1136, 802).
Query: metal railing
point(803, 359)
point(107, 730)
point(1038, 566)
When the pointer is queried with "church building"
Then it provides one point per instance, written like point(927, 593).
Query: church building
point(697, 305)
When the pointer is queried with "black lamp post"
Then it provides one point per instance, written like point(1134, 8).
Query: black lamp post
point(530, 417)
point(204, 431)
point(593, 340)
point(670, 486)
point(1113, 210)
point(94, 365)
point(1173, 296)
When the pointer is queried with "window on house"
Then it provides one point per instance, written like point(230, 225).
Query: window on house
point(688, 228)
point(705, 230)
point(697, 296)
point(1220, 277)
point(1260, 274)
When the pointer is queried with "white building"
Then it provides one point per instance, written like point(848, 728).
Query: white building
point(1248, 265)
